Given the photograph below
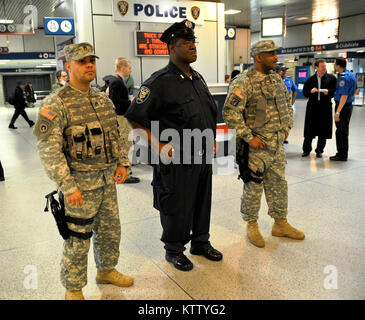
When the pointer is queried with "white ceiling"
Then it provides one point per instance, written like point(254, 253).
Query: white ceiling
point(297, 11)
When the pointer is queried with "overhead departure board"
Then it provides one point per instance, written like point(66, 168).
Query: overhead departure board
point(149, 44)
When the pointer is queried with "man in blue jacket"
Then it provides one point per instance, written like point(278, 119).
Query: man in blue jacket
point(344, 96)
point(289, 82)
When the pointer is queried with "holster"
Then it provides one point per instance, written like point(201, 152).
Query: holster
point(245, 173)
point(58, 212)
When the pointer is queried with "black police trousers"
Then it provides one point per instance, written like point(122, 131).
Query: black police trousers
point(307, 144)
point(342, 130)
point(183, 194)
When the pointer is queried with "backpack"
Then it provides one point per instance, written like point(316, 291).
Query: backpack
point(11, 98)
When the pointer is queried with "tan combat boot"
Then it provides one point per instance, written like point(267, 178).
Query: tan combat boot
point(74, 295)
point(282, 228)
point(254, 235)
point(113, 277)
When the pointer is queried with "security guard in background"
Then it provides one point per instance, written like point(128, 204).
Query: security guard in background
point(79, 146)
point(177, 96)
point(281, 69)
point(258, 107)
point(344, 96)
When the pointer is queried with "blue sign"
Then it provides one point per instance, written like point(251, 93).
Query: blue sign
point(59, 26)
point(323, 47)
point(28, 55)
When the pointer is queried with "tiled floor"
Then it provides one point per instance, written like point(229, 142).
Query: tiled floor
point(326, 201)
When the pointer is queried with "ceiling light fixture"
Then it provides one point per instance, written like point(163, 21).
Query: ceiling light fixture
point(6, 21)
point(232, 11)
point(301, 18)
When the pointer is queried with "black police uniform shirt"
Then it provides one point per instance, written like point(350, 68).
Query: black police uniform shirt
point(176, 101)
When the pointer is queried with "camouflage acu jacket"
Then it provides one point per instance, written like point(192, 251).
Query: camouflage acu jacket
point(258, 104)
point(78, 139)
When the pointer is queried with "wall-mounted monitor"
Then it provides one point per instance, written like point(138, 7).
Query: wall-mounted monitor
point(149, 44)
point(272, 27)
point(325, 32)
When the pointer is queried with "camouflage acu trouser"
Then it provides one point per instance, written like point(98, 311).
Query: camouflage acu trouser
point(124, 129)
point(271, 161)
point(103, 206)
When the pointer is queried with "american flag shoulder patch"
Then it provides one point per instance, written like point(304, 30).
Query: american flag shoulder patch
point(49, 114)
point(239, 94)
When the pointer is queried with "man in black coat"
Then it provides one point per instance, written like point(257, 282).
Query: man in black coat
point(19, 104)
point(29, 93)
point(319, 88)
point(118, 93)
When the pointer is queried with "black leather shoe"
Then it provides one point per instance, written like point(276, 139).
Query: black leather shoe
point(305, 154)
point(208, 252)
point(2, 179)
point(286, 141)
point(319, 155)
point(12, 127)
point(337, 158)
point(180, 261)
point(31, 123)
point(132, 180)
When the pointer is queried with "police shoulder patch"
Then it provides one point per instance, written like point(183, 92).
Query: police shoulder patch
point(143, 94)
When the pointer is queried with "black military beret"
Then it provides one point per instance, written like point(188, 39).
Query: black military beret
point(183, 29)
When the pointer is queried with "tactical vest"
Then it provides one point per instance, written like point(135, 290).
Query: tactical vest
point(267, 107)
point(91, 136)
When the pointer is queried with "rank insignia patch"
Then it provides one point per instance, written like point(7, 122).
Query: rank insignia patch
point(234, 101)
point(143, 95)
point(49, 114)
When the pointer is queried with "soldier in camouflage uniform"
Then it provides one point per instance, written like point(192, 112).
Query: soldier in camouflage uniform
point(258, 108)
point(79, 146)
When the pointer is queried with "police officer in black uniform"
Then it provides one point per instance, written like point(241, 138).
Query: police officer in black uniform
point(178, 97)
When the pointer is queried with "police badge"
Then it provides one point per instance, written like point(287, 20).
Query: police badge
point(195, 12)
point(143, 94)
point(123, 7)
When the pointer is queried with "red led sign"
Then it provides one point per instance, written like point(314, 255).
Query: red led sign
point(149, 44)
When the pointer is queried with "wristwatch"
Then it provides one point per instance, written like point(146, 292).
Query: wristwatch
point(337, 113)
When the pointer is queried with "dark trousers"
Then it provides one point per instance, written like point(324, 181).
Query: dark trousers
point(1, 171)
point(307, 144)
point(19, 112)
point(182, 194)
point(342, 130)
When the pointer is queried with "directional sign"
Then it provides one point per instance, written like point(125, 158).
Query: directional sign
point(59, 26)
